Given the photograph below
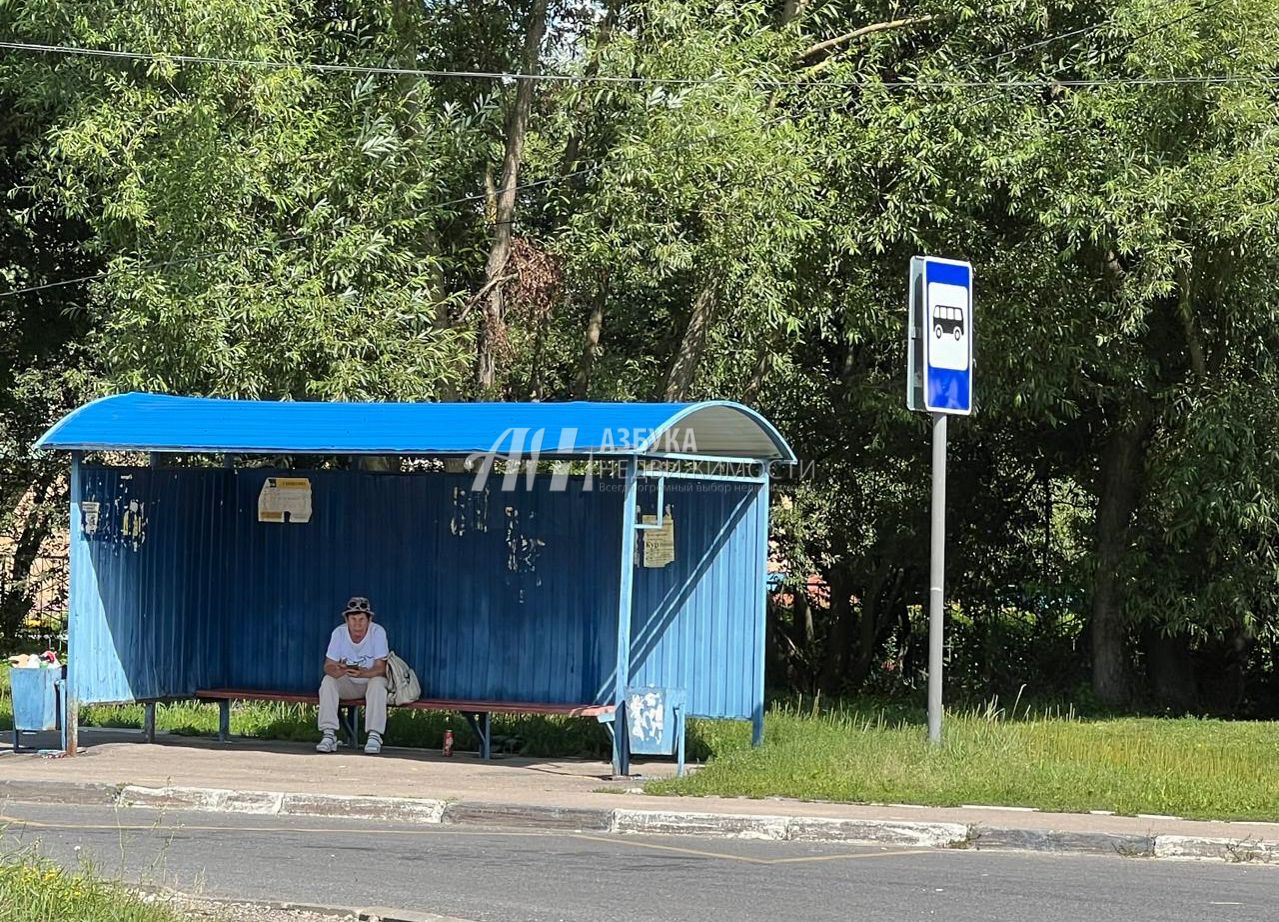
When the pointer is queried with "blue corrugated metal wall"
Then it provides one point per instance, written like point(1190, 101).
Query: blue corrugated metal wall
point(148, 604)
point(698, 623)
point(491, 595)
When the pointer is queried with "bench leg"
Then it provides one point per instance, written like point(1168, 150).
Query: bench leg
point(353, 726)
point(621, 745)
point(680, 728)
point(482, 727)
point(148, 721)
point(224, 720)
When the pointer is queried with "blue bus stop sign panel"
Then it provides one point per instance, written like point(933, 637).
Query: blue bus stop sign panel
point(946, 328)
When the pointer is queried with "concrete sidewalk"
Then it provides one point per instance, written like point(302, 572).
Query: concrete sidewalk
point(418, 786)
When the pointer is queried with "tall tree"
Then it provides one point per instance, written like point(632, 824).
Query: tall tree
point(492, 335)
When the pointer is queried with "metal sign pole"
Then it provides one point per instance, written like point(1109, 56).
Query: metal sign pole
point(936, 580)
point(939, 380)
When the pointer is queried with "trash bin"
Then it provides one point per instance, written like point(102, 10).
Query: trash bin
point(655, 722)
point(35, 700)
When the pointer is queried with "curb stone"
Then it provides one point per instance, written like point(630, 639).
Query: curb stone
point(267, 803)
point(792, 828)
point(215, 800)
point(60, 792)
point(896, 833)
point(878, 832)
point(522, 816)
point(1232, 850)
point(396, 809)
point(1052, 840)
point(679, 823)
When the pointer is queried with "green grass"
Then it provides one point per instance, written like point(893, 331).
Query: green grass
point(33, 890)
point(1207, 769)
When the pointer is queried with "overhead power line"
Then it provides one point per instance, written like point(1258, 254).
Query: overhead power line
point(1128, 44)
point(353, 69)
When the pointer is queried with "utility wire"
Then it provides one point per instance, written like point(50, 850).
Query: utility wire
point(355, 69)
point(1084, 30)
point(1128, 44)
point(1219, 79)
point(1010, 52)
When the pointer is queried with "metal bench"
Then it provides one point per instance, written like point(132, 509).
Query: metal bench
point(477, 713)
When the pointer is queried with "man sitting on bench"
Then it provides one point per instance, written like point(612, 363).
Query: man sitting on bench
point(355, 667)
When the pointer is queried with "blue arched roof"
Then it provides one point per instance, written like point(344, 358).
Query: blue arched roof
point(162, 423)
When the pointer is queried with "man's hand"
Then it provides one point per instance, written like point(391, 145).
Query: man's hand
point(335, 669)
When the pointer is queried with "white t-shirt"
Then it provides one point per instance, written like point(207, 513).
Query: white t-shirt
point(372, 647)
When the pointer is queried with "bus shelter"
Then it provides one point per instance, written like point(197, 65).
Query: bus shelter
point(527, 554)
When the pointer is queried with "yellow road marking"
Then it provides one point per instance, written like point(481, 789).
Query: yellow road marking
point(615, 841)
point(699, 853)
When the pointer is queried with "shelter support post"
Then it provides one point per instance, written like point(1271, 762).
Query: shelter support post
point(224, 720)
point(148, 721)
point(761, 624)
point(621, 755)
point(62, 725)
point(75, 591)
point(481, 725)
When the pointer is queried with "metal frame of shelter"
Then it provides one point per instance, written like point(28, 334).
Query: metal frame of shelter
point(660, 450)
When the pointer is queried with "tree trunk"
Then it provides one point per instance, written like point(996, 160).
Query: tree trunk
point(591, 343)
point(1122, 466)
point(689, 355)
point(877, 614)
point(16, 595)
point(1170, 669)
point(758, 374)
point(791, 10)
point(573, 147)
point(537, 385)
point(803, 617)
point(492, 334)
point(841, 613)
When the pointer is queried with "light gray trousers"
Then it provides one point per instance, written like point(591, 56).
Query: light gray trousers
point(373, 691)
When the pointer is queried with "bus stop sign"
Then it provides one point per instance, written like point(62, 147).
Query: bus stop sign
point(939, 376)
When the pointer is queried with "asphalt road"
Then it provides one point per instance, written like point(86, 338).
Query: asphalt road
point(517, 876)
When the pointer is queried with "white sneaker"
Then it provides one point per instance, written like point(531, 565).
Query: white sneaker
point(374, 744)
point(328, 744)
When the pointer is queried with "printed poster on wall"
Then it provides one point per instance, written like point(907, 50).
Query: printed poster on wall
point(659, 543)
point(285, 499)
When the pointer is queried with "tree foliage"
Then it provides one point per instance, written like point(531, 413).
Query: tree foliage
point(725, 206)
